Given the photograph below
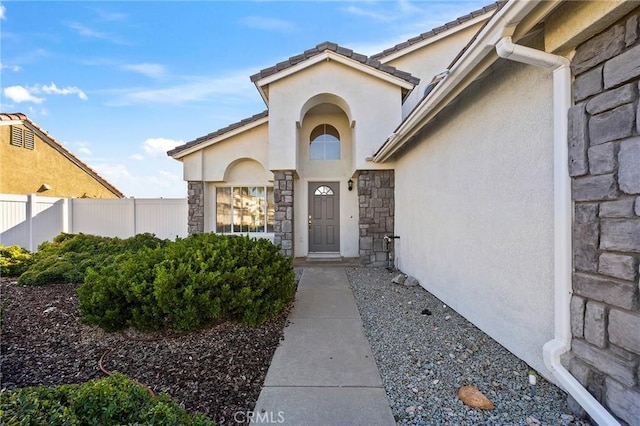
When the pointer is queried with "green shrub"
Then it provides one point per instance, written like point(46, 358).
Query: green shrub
point(107, 401)
point(67, 258)
point(14, 260)
point(188, 284)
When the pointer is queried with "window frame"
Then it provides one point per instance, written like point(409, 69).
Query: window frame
point(323, 140)
point(235, 222)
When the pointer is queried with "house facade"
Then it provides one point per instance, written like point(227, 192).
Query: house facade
point(34, 162)
point(501, 149)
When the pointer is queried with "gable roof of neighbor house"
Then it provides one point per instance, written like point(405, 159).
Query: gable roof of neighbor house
point(210, 138)
point(400, 47)
point(13, 118)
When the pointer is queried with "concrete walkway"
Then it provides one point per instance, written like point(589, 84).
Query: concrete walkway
point(323, 373)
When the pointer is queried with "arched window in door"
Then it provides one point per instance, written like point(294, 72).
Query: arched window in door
point(323, 190)
point(325, 143)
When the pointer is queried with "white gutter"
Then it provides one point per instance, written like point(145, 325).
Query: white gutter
point(562, 205)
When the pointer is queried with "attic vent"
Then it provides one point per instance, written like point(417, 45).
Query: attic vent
point(29, 141)
point(16, 136)
point(22, 137)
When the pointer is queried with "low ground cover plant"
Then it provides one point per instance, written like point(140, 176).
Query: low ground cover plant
point(14, 260)
point(106, 401)
point(189, 284)
point(67, 258)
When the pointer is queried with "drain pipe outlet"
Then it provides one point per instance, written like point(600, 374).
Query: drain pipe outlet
point(562, 207)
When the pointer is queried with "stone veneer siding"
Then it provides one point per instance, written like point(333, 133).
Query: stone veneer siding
point(195, 199)
point(604, 163)
point(376, 206)
point(283, 196)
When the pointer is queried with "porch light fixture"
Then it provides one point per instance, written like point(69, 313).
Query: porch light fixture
point(350, 184)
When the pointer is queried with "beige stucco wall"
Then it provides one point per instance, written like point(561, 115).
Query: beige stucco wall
point(474, 208)
point(211, 163)
point(375, 106)
point(23, 171)
point(430, 60)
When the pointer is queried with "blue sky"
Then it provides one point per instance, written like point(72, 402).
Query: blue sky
point(119, 83)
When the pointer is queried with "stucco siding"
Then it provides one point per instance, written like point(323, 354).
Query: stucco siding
point(213, 163)
point(474, 208)
point(375, 107)
point(431, 60)
point(23, 171)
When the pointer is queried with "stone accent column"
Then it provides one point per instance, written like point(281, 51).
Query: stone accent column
point(376, 205)
point(195, 199)
point(283, 197)
point(604, 163)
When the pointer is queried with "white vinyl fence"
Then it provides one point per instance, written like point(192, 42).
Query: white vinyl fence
point(28, 220)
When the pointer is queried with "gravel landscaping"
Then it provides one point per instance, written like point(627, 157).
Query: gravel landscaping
point(425, 357)
point(218, 371)
point(424, 350)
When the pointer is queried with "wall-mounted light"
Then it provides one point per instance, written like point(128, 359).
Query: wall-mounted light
point(350, 184)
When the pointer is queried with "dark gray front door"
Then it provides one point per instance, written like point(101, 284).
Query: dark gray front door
point(324, 217)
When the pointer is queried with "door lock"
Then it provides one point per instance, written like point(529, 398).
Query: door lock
point(309, 221)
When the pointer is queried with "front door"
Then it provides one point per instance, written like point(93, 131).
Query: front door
point(324, 217)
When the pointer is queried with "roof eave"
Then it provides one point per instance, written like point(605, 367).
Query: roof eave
point(476, 59)
point(427, 41)
point(329, 55)
point(178, 155)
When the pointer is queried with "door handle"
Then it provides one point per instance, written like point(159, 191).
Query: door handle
point(309, 221)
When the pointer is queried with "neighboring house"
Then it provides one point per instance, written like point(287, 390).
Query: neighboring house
point(514, 206)
point(33, 162)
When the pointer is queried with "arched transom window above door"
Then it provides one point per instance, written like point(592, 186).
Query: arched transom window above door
point(323, 190)
point(324, 143)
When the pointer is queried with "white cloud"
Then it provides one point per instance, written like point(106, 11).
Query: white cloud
point(376, 16)
point(14, 68)
point(88, 32)
point(20, 94)
point(146, 69)
point(158, 147)
point(52, 89)
point(137, 157)
point(3, 12)
point(83, 147)
point(106, 15)
point(194, 89)
point(117, 172)
point(269, 24)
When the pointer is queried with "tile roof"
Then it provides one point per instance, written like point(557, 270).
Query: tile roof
point(218, 132)
point(435, 31)
point(18, 116)
point(322, 47)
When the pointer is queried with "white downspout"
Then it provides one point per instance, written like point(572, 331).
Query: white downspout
point(562, 208)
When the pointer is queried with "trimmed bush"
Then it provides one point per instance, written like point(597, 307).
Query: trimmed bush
point(189, 284)
point(107, 401)
point(67, 258)
point(14, 260)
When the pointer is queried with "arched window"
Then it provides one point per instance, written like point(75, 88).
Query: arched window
point(325, 143)
point(323, 190)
